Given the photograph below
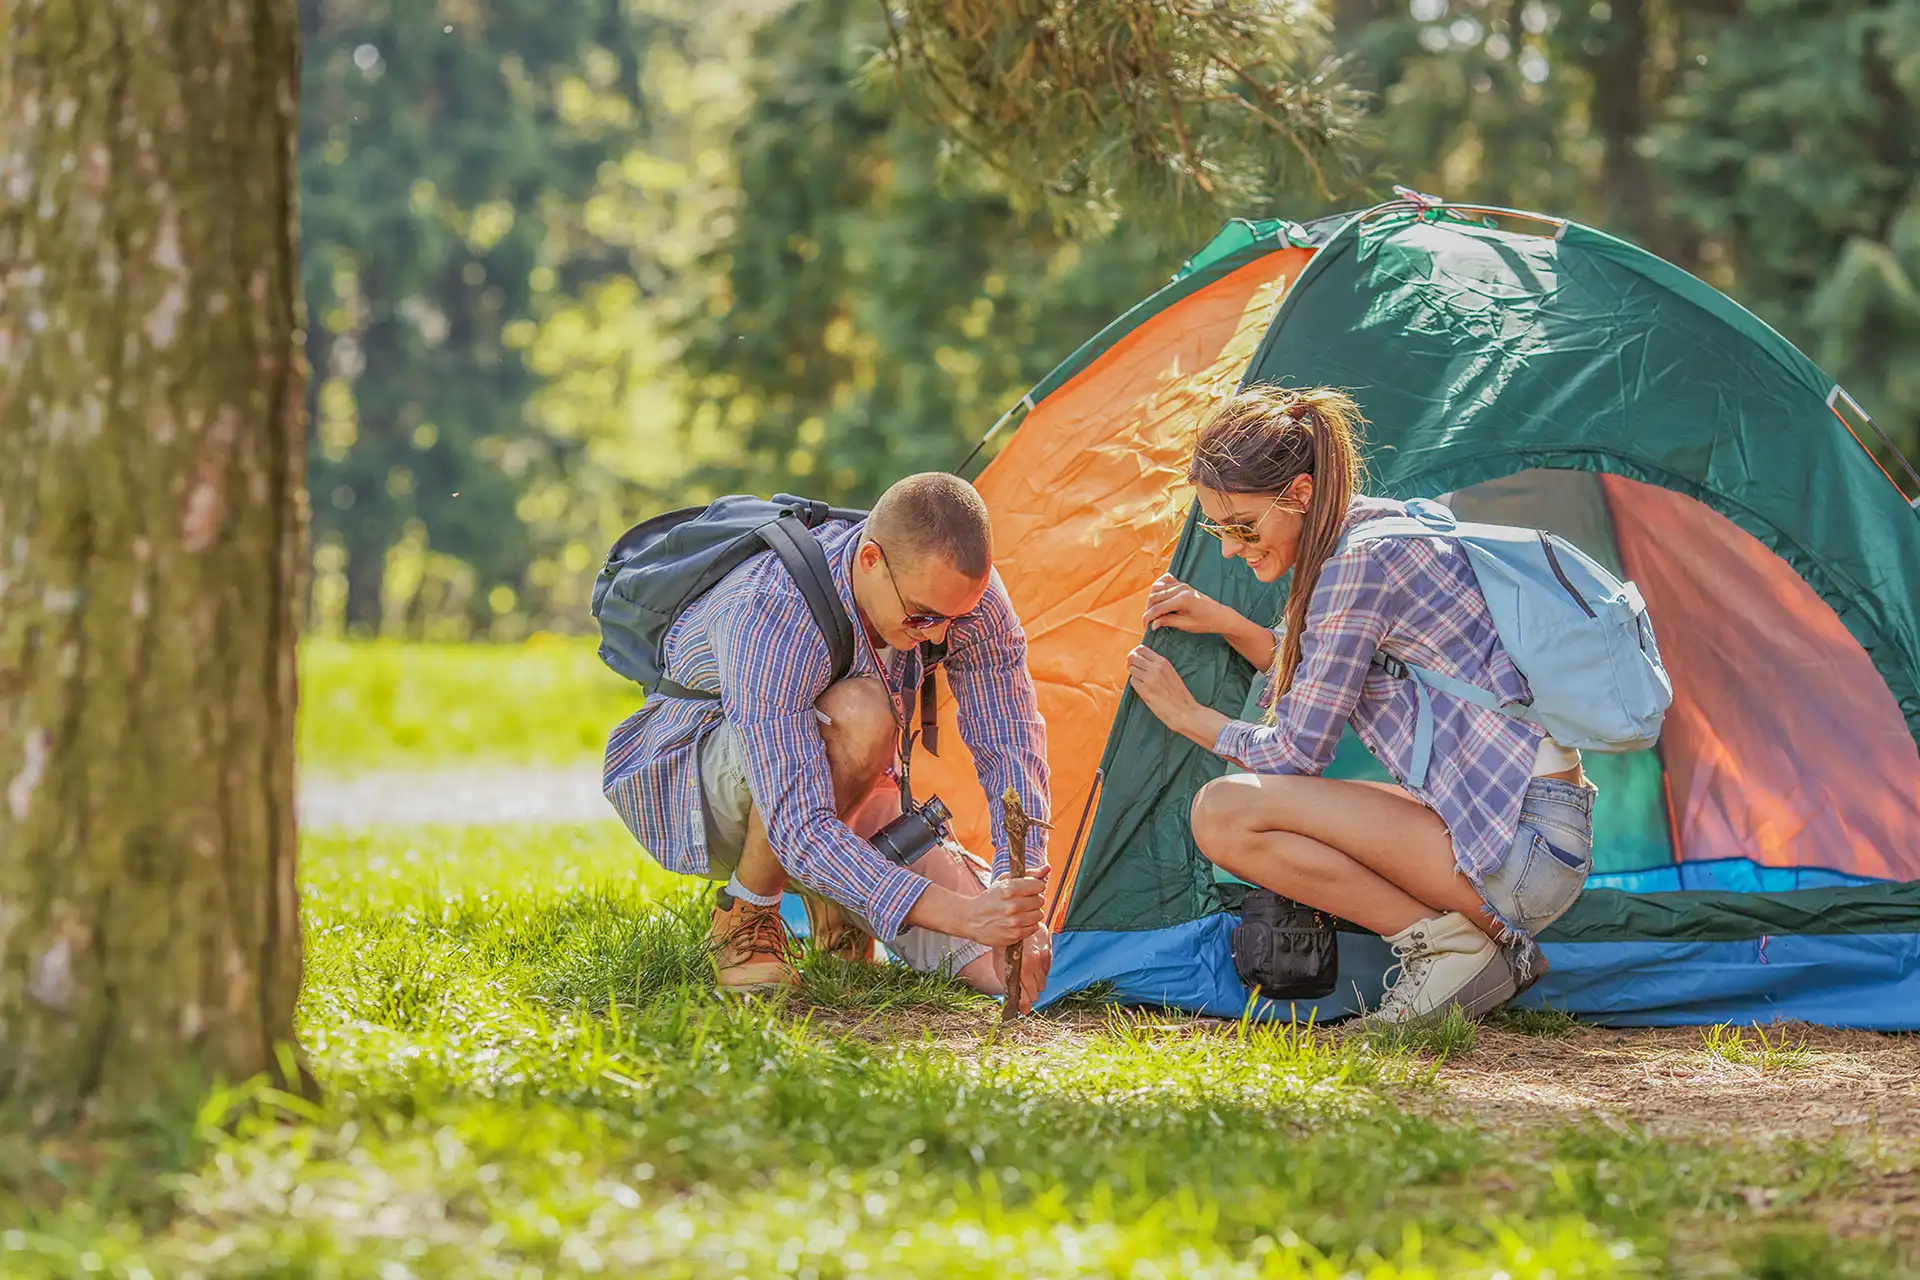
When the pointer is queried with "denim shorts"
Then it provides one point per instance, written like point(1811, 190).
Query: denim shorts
point(1551, 856)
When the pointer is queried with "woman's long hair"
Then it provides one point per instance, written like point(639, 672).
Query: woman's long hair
point(1260, 442)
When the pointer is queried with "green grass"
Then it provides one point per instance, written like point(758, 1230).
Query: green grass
point(1776, 1052)
point(526, 1073)
point(1448, 1036)
point(382, 704)
point(1548, 1024)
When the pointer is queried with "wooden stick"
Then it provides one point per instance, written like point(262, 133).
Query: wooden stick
point(1016, 821)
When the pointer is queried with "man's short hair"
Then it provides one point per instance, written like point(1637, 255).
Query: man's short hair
point(935, 513)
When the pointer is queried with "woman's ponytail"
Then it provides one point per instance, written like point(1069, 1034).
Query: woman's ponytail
point(1264, 439)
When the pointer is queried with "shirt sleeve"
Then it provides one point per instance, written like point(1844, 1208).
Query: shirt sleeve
point(1000, 720)
point(773, 664)
point(1345, 623)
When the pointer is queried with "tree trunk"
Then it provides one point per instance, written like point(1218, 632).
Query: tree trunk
point(1623, 110)
point(152, 522)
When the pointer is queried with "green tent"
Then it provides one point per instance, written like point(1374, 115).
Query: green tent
point(1764, 859)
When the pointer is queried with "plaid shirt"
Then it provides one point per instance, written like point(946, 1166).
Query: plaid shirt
point(1415, 599)
point(753, 638)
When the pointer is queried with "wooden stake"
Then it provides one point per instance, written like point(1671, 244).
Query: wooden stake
point(1017, 822)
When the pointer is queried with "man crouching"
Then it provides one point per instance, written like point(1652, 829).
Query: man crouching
point(787, 772)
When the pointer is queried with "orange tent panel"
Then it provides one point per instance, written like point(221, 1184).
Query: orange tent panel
point(1783, 745)
point(1087, 500)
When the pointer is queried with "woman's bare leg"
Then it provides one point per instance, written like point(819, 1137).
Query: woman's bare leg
point(1364, 851)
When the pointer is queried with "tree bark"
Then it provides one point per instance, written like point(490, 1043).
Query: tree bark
point(152, 528)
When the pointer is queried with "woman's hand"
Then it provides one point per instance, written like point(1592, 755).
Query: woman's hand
point(1165, 693)
point(1158, 685)
point(1172, 603)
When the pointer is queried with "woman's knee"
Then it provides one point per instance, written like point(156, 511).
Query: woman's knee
point(1221, 817)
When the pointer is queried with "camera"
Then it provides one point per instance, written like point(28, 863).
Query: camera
point(906, 839)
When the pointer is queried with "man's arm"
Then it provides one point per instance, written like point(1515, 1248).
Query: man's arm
point(1000, 718)
point(773, 664)
point(773, 661)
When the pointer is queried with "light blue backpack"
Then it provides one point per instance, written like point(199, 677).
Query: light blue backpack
point(1579, 635)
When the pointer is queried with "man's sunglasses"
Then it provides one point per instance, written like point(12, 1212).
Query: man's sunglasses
point(1246, 533)
point(913, 621)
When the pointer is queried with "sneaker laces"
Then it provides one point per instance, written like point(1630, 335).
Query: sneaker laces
point(1405, 975)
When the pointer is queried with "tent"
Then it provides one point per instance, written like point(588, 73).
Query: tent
point(1762, 862)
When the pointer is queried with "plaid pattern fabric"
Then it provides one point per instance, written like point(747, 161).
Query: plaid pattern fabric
point(753, 639)
point(1415, 599)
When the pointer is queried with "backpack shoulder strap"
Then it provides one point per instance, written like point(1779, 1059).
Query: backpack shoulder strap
point(1424, 519)
point(806, 563)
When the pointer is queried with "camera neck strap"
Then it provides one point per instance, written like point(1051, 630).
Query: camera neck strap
point(924, 697)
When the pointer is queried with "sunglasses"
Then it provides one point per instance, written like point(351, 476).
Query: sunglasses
point(1245, 533)
point(913, 621)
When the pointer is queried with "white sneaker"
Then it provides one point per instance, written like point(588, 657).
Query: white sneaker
point(1444, 962)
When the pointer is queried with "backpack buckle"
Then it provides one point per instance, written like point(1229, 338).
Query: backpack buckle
point(1391, 665)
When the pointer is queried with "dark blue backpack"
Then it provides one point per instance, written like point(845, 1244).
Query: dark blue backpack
point(661, 566)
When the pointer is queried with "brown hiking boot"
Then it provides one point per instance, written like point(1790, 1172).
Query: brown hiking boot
point(835, 931)
point(752, 953)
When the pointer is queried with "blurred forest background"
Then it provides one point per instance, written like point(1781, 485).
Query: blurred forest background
point(570, 264)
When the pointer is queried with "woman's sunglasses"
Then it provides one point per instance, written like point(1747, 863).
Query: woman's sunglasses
point(1244, 533)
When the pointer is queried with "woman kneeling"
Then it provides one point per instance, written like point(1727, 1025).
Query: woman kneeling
point(1457, 870)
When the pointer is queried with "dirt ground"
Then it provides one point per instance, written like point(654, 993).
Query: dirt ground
point(1860, 1087)
point(1858, 1084)
point(1854, 1083)
point(480, 794)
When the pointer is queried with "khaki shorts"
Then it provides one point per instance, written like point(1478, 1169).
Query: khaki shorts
point(726, 801)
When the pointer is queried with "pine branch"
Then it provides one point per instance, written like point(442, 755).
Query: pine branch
point(1098, 106)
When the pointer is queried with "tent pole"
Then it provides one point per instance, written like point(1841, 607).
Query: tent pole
point(1025, 401)
point(1840, 393)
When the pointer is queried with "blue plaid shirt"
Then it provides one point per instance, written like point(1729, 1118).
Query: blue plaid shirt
point(753, 639)
point(1415, 599)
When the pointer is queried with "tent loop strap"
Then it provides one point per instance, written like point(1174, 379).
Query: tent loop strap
point(1838, 394)
point(1426, 205)
point(1024, 402)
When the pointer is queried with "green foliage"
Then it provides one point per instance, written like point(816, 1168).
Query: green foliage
point(374, 704)
point(1169, 114)
point(1792, 148)
point(449, 156)
point(1769, 148)
point(488, 1112)
point(867, 317)
point(579, 265)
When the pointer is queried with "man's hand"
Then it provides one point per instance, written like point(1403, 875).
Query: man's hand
point(1036, 960)
point(1006, 912)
